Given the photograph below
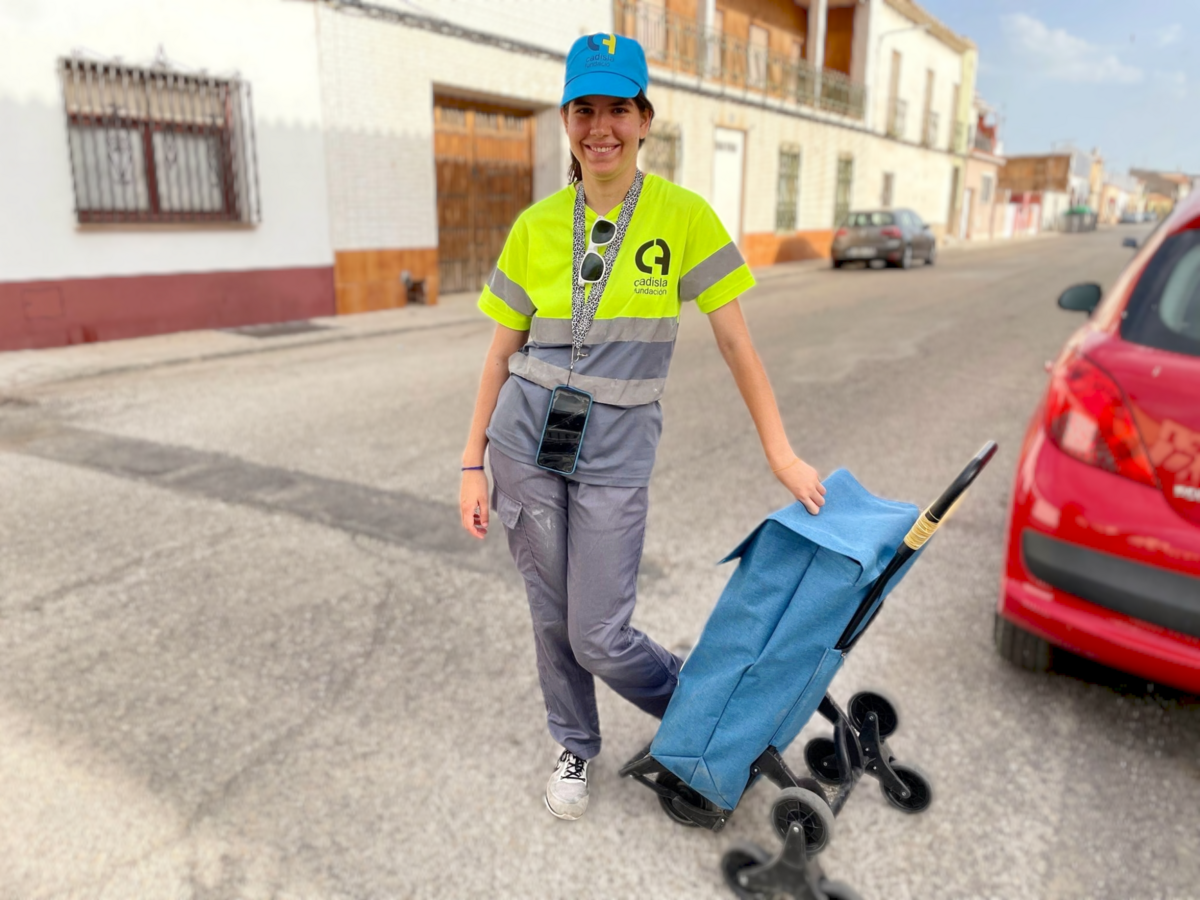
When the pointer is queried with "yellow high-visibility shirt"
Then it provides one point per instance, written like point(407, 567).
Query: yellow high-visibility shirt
point(675, 251)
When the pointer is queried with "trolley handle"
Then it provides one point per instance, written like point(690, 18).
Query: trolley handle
point(944, 506)
point(923, 529)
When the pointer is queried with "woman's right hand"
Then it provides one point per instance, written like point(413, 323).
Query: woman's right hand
point(473, 503)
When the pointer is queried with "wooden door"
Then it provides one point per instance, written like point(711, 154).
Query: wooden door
point(484, 159)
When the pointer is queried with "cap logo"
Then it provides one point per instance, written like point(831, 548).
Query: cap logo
point(608, 40)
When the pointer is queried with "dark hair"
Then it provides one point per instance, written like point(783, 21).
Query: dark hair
point(575, 171)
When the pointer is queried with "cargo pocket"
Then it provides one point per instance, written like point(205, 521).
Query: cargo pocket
point(508, 509)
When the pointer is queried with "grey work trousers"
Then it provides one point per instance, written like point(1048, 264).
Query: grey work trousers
point(578, 547)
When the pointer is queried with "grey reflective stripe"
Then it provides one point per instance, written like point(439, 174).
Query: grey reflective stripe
point(708, 272)
point(616, 359)
point(510, 292)
point(611, 391)
point(650, 331)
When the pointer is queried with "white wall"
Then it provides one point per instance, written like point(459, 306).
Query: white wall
point(379, 80)
point(553, 24)
point(919, 51)
point(922, 177)
point(271, 43)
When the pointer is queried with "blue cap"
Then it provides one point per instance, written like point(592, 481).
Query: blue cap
point(605, 64)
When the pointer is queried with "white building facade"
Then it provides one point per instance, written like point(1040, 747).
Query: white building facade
point(198, 165)
point(159, 169)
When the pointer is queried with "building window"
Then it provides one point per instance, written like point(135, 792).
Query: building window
point(756, 62)
point(714, 45)
point(660, 153)
point(985, 188)
point(889, 180)
point(845, 180)
point(155, 145)
point(787, 200)
point(652, 28)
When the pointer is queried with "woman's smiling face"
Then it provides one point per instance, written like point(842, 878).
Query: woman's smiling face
point(604, 133)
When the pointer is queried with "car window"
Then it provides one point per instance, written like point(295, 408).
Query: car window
point(1164, 309)
point(870, 219)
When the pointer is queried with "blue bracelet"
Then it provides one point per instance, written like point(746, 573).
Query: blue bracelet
point(472, 468)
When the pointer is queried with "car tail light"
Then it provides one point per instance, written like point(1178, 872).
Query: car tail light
point(841, 232)
point(892, 231)
point(1086, 417)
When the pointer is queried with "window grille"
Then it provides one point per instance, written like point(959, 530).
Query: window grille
point(845, 180)
point(787, 195)
point(985, 189)
point(889, 183)
point(660, 153)
point(155, 145)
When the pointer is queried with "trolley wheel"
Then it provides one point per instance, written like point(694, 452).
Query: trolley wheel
point(820, 755)
point(810, 811)
point(677, 784)
point(838, 890)
point(922, 791)
point(871, 702)
point(737, 858)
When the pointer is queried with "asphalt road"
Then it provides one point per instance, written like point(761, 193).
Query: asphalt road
point(245, 653)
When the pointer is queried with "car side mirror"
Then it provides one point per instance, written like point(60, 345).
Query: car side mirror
point(1081, 298)
point(1130, 242)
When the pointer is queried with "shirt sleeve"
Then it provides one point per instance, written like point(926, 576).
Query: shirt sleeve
point(505, 299)
point(714, 271)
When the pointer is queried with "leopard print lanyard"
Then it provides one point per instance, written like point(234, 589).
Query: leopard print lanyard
point(585, 303)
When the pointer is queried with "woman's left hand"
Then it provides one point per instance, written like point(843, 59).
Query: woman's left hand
point(805, 484)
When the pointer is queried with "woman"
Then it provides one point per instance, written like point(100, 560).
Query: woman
point(586, 297)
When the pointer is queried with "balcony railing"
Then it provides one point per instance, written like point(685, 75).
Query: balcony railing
point(897, 113)
point(681, 44)
point(842, 95)
point(984, 142)
point(930, 131)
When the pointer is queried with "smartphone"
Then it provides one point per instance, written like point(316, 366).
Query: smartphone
point(562, 436)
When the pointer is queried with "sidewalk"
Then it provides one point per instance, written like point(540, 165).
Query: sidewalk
point(25, 369)
point(28, 369)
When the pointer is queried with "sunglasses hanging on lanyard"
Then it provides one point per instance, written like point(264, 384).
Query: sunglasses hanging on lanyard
point(570, 408)
point(593, 266)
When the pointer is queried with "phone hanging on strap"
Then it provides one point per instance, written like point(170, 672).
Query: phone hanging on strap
point(562, 435)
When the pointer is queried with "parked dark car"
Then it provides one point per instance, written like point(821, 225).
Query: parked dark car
point(897, 236)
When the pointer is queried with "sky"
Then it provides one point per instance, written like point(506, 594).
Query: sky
point(1109, 74)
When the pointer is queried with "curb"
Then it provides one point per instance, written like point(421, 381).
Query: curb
point(12, 383)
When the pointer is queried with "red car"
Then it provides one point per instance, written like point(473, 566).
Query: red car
point(1103, 554)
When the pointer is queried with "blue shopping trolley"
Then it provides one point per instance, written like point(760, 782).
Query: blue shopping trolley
point(805, 590)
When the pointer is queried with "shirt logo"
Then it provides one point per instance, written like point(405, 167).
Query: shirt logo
point(662, 261)
point(609, 41)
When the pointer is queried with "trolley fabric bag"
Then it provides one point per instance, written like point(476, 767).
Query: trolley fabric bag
point(768, 652)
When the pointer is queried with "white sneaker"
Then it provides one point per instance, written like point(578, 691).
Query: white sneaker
point(567, 789)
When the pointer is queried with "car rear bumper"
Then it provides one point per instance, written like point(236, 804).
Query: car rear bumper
point(1108, 637)
point(1103, 567)
point(1168, 599)
point(890, 251)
